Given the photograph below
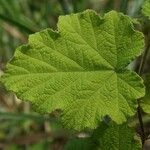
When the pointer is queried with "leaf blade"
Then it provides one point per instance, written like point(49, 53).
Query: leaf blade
point(67, 68)
point(120, 137)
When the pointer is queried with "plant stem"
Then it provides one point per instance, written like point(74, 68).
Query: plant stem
point(140, 71)
point(143, 60)
point(141, 123)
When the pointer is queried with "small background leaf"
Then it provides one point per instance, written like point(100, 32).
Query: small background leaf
point(116, 137)
point(146, 8)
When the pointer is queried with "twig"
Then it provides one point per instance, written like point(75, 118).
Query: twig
point(14, 32)
point(141, 123)
point(140, 71)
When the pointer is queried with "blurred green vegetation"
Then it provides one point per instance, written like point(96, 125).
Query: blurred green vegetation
point(20, 127)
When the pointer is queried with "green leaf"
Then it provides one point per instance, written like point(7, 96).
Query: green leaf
point(80, 144)
point(146, 8)
point(116, 137)
point(80, 69)
point(145, 102)
point(108, 137)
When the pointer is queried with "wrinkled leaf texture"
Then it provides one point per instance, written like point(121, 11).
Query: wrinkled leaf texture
point(80, 69)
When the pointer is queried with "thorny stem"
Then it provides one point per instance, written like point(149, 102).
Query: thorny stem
point(140, 71)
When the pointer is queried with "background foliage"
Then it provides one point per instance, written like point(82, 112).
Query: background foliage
point(20, 127)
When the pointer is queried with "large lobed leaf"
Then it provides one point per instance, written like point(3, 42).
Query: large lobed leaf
point(80, 69)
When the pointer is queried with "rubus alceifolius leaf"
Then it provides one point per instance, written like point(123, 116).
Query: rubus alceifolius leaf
point(116, 137)
point(108, 137)
point(80, 69)
point(146, 9)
